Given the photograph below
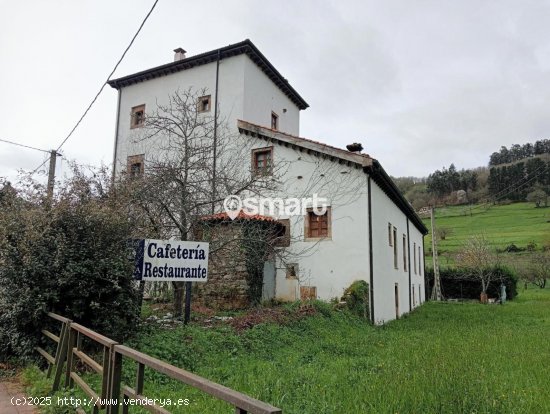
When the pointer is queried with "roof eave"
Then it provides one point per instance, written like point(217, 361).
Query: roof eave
point(244, 47)
point(387, 185)
point(304, 144)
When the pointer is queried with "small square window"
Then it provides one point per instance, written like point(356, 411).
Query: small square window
point(135, 165)
point(262, 161)
point(318, 226)
point(138, 116)
point(274, 121)
point(292, 271)
point(204, 103)
point(283, 233)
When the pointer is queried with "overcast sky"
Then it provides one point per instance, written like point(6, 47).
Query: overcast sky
point(420, 83)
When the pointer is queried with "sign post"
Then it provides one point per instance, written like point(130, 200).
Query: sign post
point(171, 261)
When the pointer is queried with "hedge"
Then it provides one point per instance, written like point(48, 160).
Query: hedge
point(457, 284)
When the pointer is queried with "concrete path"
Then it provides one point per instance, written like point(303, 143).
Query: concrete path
point(12, 390)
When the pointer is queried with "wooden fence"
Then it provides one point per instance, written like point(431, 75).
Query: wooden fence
point(69, 349)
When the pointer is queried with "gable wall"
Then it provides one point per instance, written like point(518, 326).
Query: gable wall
point(261, 96)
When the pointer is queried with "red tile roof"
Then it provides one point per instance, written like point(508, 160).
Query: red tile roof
point(296, 137)
point(242, 216)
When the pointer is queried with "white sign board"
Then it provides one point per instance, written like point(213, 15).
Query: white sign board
point(171, 260)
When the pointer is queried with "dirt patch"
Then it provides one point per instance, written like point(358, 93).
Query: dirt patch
point(279, 316)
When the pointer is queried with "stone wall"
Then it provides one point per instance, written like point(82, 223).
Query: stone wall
point(227, 286)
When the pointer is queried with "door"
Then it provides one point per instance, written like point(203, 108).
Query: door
point(268, 290)
point(397, 300)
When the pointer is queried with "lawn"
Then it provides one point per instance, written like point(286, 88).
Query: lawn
point(442, 358)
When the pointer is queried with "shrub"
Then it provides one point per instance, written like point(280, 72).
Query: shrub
point(457, 283)
point(356, 297)
point(511, 248)
point(70, 257)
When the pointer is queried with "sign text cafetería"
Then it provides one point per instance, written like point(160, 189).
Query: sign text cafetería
point(171, 260)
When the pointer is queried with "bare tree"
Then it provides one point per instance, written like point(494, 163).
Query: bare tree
point(539, 269)
point(538, 196)
point(477, 257)
point(444, 232)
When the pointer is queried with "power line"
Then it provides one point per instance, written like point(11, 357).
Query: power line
point(104, 83)
point(22, 145)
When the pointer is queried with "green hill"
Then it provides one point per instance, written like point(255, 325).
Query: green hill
point(502, 225)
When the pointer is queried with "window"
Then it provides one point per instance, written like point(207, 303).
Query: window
point(135, 165)
point(404, 253)
point(395, 261)
point(413, 296)
point(292, 271)
point(308, 292)
point(283, 233)
point(204, 103)
point(274, 121)
point(138, 116)
point(419, 262)
point(317, 226)
point(390, 241)
point(262, 161)
point(414, 256)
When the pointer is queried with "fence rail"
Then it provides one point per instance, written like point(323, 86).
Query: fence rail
point(69, 350)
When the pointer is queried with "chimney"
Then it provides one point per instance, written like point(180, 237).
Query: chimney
point(179, 54)
point(355, 147)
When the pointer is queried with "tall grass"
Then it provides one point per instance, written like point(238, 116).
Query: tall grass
point(442, 358)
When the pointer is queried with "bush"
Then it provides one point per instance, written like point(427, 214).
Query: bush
point(356, 297)
point(457, 284)
point(71, 258)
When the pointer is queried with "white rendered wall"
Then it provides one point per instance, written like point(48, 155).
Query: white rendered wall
point(331, 265)
point(384, 211)
point(417, 278)
point(244, 92)
point(261, 97)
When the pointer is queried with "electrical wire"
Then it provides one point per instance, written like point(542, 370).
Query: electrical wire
point(104, 83)
point(22, 145)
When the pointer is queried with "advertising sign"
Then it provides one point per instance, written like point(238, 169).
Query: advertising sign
point(170, 260)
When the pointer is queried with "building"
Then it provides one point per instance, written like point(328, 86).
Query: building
point(368, 232)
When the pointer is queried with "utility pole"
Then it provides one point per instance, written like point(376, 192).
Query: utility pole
point(436, 291)
point(51, 172)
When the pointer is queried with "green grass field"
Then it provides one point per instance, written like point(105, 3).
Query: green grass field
point(442, 358)
point(502, 225)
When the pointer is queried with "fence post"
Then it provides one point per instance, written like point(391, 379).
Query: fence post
point(114, 386)
point(61, 355)
point(70, 359)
